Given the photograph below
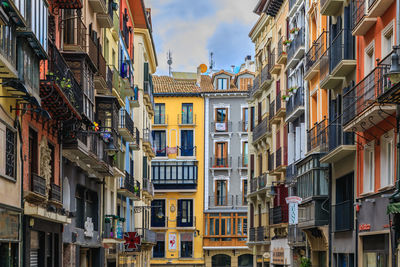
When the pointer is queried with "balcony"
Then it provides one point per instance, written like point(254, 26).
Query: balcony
point(221, 127)
point(361, 20)
point(314, 54)
point(261, 130)
point(377, 8)
point(255, 90)
point(220, 163)
point(296, 237)
point(55, 195)
point(135, 145)
point(293, 6)
point(243, 162)
point(266, 78)
point(187, 151)
point(134, 99)
point(187, 120)
point(227, 201)
point(317, 137)
point(259, 235)
point(105, 20)
point(282, 55)
point(125, 127)
point(291, 172)
point(258, 183)
point(98, 6)
point(340, 144)
point(344, 216)
point(243, 127)
point(148, 94)
point(331, 7)
point(148, 237)
point(8, 63)
point(278, 214)
point(314, 213)
point(360, 108)
point(59, 90)
point(295, 105)
point(148, 188)
point(176, 175)
point(116, 27)
point(113, 230)
point(337, 61)
point(74, 34)
point(37, 192)
point(280, 109)
point(276, 67)
point(128, 187)
point(147, 142)
point(101, 78)
point(296, 49)
point(280, 160)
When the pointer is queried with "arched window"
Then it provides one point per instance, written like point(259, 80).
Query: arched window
point(66, 194)
point(221, 260)
point(245, 260)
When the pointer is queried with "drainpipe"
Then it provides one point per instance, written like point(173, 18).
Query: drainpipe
point(20, 247)
point(330, 216)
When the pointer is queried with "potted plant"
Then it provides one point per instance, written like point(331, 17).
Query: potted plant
point(287, 42)
point(136, 188)
point(305, 262)
point(285, 98)
point(293, 89)
point(294, 30)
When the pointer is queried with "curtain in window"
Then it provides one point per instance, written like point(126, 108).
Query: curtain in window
point(187, 113)
point(187, 147)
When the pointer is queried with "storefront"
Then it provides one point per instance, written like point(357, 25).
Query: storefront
point(42, 242)
point(280, 253)
point(9, 236)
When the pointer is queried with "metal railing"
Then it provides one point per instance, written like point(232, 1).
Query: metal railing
point(220, 127)
point(343, 216)
point(336, 135)
point(272, 109)
point(109, 79)
point(296, 43)
point(129, 183)
point(281, 51)
point(125, 121)
point(341, 49)
point(55, 193)
point(243, 161)
point(256, 85)
point(8, 44)
point(316, 50)
point(265, 72)
point(278, 214)
point(187, 120)
point(317, 136)
point(295, 101)
point(359, 12)
point(219, 201)
point(262, 128)
point(74, 32)
point(324, 65)
point(221, 162)
point(59, 72)
point(147, 235)
point(295, 235)
point(258, 183)
point(160, 119)
point(38, 184)
point(187, 151)
point(147, 137)
point(93, 52)
point(258, 234)
point(278, 101)
point(366, 92)
point(280, 157)
point(148, 186)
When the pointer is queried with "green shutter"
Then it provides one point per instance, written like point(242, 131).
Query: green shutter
point(146, 72)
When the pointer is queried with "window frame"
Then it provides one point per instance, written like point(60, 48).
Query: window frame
point(186, 114)
point(7, 128)
point(223, 199)
point(221, 162)
point(369, 157)
point(387, 140)
point(180, 246)
point(164, 252)
point(162, 148)
point(159, 108)
point(221, 83)
point(163, 223)
point(189, 213)
point(186, 151)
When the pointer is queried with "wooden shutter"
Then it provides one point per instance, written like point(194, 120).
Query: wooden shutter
point(278, 139)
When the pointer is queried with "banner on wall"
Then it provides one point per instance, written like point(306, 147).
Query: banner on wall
point(293, 203)
point(172, 241)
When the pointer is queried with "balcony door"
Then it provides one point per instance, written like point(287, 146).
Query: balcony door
point(185, 213)
point(221, 197)
point(187, 113)
point(187, 147)
point(221, 152)
point(159, 138)
point(221, 119)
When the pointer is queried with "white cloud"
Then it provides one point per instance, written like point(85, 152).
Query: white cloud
point(188, 39)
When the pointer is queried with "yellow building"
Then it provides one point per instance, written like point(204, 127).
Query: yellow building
point(178, 171)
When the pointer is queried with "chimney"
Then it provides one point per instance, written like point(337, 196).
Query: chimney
point(198, 80)
point(233, 68)
point(247, 60)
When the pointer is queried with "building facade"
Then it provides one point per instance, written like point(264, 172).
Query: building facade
point(225, 168)
point(177, 214)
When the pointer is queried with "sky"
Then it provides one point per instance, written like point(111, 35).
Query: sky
point(191, 29)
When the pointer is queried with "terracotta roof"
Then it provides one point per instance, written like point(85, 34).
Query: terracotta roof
point(206, 84)
point(167, 85)
point(243, 72)
point(221, 72)
point(208, 87)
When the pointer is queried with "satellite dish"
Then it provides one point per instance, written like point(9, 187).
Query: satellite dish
point(203, 68)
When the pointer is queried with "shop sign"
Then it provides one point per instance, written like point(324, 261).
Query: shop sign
point(364, 227)
point(278, 256)
point(132, 241)
point(293, 202)
point(9, 225)
point(172, 241)
point(88, 227)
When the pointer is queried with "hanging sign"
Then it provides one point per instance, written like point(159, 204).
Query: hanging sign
point(172, 241)
point(293, 203)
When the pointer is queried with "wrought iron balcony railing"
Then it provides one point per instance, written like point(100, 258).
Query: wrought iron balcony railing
point(187, 119)
point(317, 136)
point(125, 121)
point(8, 49)
point(148, 186)
point(55, 193)
point(243, 162)
point(221, 127)
point(261, 129)
point(295, 101)
point(259, 234)
point(296, 43)
point(316, 50)
point(38, 184)
point(258, 183)
point(278, 214)
point(74, 33)
point(336, 135)
point(344, 217)
point(221, 162)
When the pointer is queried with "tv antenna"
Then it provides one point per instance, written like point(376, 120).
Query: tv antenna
point(211, 60)
point(169, 62)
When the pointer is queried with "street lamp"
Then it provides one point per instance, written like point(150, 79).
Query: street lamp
point(394, 72)
point(111, 150)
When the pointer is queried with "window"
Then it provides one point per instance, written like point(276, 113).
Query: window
point(186, 241)
point(159, 116)
point(245, 153)
point(159, 248)
point(244, 192)
point(376, 250)
point(369, 168)
point(187, 113)
point(252, 118)
point(387, 39)
point(158, 209)
point(222, 83)
point(185, 213)
point(221, 119)
point(221, 153)
point(8, 143)
point(221, 196)
point(387, 159)
point(187, 147)
point(33, 152)
point(225, 227)
point(160, 143)
point(245, 119)
point(52, 164)
point(369, 59)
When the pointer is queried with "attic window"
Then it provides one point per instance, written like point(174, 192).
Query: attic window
point(222, 83)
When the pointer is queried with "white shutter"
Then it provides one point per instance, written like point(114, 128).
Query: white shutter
point(298, 144)
point(291, 148)
point(303, 146)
